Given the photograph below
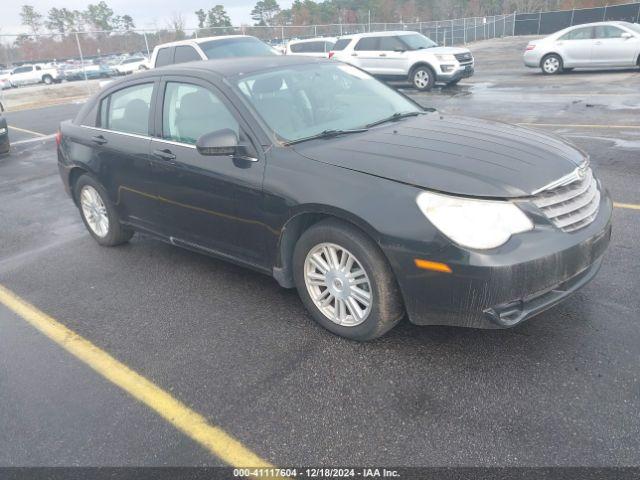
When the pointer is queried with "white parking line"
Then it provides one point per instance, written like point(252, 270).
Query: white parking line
point(37, 139)
point(575, 125)
point(30, 132)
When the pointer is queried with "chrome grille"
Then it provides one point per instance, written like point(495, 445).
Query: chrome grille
point(464, 57)
point(572, 205)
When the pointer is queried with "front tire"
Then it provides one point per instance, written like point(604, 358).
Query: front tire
point(551, 64)
point(98, 213)
point(423, 78)
point(345, 281)
point(47, 79)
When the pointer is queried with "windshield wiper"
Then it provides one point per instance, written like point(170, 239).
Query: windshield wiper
point(394, 117)
point(327, 134)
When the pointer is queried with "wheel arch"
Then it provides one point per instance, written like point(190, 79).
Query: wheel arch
point(74, 173)
point(301, 221)
point(550, 53)
point(421, 63)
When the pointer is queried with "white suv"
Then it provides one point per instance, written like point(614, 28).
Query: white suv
point(405, 55)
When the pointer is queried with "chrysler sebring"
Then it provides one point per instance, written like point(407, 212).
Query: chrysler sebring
point(316, 173)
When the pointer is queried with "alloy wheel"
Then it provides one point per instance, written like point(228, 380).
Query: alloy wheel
point(421, 79)
point(338, 285)
point(94, 211)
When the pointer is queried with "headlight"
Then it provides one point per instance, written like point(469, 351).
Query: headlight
point(3, 130)
point(479, 224)
point(446, 58)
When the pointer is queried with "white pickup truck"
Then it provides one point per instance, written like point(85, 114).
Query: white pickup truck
point(29, 74)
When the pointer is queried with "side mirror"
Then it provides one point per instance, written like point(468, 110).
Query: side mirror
point(220, 142)
point(626, 35)
point(1, 107)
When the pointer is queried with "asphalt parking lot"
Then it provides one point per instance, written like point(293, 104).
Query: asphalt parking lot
point(561, 389)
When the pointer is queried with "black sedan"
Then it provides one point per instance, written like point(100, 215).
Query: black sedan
point(315, 173)
point(4, 132)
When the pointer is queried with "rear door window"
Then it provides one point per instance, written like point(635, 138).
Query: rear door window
point(585, 33)
point(341, 44)
point(367, 44)
point(185, 53)
point(164, 57)
point(127, 110)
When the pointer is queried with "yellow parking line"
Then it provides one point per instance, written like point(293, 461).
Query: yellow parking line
point(194, 425)
point(632, 206)
point(38, 134)
point(574, 125)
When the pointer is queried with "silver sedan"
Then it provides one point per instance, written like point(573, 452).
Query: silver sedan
point(592, 45)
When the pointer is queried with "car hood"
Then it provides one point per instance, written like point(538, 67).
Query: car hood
point(443, 50)
point(452, 154)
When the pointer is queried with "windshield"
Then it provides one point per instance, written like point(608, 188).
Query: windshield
point(236, 47)
point(305, 100)
point(416, 41)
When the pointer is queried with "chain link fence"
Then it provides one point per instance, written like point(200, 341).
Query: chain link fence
point(545, 23)
point(87, 46)
point(79, 49)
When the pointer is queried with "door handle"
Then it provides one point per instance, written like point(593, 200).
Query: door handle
point(165, 154)
point(354, 54)
point(99, 140)
point(598, 43)
point(382, 55)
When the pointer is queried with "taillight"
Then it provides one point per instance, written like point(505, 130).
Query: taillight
point(530, 47)
point(58, 137)
point(331, 54)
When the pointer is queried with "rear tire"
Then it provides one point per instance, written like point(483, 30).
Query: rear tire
point(551, 64)
point(364, 300)
point(98, 213)
point(423, 78)
point(47, 79)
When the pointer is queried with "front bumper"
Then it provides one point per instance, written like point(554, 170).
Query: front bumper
point(529, 274)
point(461, 71)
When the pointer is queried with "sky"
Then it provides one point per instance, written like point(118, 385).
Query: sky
point(146, 13)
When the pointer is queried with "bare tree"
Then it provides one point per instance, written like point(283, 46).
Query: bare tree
point(177, 23)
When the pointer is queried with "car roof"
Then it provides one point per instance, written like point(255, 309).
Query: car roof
point(315, 39)
point(595, 24)
point(390, 33)
point(200, 40)
point(227, 67)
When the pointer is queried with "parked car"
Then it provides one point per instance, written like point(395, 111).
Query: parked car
point(131, 64)
point(311, 47)
point(405, 55)
point(4, 79)
point(30, 74)
point(194, 49)
point(592, 45)
point(91, 72)
point(4, 132)
point(318, 174)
